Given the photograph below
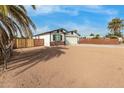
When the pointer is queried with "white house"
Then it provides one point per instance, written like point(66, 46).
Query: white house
point(59, 37)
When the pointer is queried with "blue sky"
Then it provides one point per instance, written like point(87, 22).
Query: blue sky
point(84, 18)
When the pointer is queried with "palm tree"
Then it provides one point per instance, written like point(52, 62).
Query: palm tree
point(14, 21)
point(115, 26)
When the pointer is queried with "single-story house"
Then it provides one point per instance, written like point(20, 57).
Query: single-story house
point(59, 37)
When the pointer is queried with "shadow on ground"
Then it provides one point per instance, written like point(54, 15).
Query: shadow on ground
point(28, 59)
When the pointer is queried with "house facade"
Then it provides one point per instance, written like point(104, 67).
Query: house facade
point(59, 37)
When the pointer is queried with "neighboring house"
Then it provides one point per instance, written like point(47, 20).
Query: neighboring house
point(59, 37)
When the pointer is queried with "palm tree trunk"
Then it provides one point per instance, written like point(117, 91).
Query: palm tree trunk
point(4, 55)
point(4, 59)
point(5, 63)
point(6, 52)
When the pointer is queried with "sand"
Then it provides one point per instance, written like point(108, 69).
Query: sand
point(85, 66)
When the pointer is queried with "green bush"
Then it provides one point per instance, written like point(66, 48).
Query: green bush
point(111, 36)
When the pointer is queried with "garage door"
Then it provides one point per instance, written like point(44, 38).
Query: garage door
point(71, 40)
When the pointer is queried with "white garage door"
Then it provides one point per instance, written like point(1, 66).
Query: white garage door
point(71, 40)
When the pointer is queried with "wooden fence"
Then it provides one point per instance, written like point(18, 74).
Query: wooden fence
point(38, 42)
point(98, 41)
point(25, 43)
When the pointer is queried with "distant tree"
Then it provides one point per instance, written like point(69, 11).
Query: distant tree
point(119, 34)
point(112, 36)
point(115, 26)
point(75, 31)
point(97, 36)
point(92, 34)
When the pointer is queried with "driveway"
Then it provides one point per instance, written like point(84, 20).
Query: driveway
point(66, 66)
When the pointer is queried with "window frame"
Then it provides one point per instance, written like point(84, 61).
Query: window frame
point(57, 37)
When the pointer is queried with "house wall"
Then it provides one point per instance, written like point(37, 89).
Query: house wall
point(46, 38)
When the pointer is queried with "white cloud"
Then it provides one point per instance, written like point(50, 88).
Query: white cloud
point(93, 6)
point(71, 10)
point(99, 9)
point(49, 9)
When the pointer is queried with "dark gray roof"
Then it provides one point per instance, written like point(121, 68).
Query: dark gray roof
point(66, 31)
point(74, 31)
point(51, 31)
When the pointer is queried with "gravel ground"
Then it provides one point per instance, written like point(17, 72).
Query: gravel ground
point(66, 66)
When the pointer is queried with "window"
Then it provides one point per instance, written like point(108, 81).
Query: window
point(54, 37)
point(57, 37)
point(61, 37)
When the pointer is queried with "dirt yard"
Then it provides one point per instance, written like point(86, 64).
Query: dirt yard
point(66, 66)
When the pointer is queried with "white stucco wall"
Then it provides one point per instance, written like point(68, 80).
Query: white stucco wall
point(46, 38)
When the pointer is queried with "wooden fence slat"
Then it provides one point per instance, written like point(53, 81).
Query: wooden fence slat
point(38, 42)
point(25, 43)
point(30, 43)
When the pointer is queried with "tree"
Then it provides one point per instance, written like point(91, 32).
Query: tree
point(14, 21)
point(75, 31)
point(97, 36)
point(115, 26)
point(111, 36)
point(91, 34)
